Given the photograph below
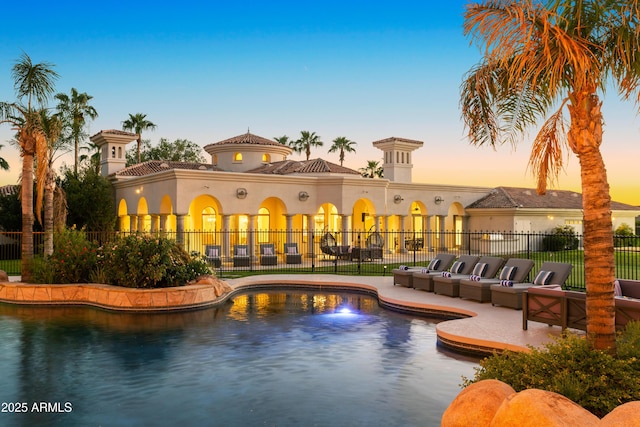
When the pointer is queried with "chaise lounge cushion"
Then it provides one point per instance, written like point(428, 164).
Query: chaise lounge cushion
point(515, 271)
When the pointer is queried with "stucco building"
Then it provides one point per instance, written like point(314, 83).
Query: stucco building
point(252, 193)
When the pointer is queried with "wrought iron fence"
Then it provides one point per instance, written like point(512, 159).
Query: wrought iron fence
point(351, 252)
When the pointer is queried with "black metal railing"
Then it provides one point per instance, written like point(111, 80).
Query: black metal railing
point(359, 252)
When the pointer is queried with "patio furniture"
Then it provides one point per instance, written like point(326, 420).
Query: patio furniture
point(292, 256)
point(424, 281)
point(515, 270)
point(487, 266)
point(407, 278)
point(550, 273)
point(329, 246)
point(375, 243)
point(213, 253)
point(241, 256)
point(268, 254)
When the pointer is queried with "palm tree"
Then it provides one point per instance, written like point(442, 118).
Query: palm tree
point(372, 170)
point(284, 139)
point(306, 141)
point(74, 109)
point(137, 123)
point(46, 176)
point(4, 165)
point(35, 82)
point(538, 60)
point(343, 145)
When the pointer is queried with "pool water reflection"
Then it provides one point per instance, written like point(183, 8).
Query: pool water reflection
point(282, 358)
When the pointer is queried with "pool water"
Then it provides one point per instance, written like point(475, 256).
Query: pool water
point(282, 358)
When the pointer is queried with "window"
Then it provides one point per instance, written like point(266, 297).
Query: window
point(215, 160)
point(266, 158)
point(237, 157)
point(113, 152)
point(119, 152)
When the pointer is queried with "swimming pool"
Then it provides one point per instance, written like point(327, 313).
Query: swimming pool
point(277, 358)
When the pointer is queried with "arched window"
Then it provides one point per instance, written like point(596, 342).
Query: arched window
point(215, 160)
point(263, 225)
point(266, 158)
point(237, 157)
point(119, 152)
point(113, 152)
point(208, 218)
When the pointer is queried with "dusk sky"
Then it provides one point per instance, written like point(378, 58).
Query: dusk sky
point(366, 70)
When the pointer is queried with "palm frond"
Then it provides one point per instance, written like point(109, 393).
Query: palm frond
point(478, 92)
point(545, 161)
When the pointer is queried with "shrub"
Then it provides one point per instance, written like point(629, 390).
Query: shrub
point(624, 236)
point(563, 238)
point(594, 379)
point(144, 261)
point(72, 261)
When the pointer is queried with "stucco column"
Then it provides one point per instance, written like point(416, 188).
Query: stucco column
point(155, 223)
point(346, 239)
point(226, 220)
point(387, 236)
point(428, 241)
point(289, 225)
point(252, 236)
point(442, 244)
point(180, 228)
point(465, 230)
point(133, 222)
point(141, 222)
point(401, 237)
point(163, 223)
point(310, 233)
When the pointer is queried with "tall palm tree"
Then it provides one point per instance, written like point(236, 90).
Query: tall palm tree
point(74, 109)
point(306, 141)
point(342, 145)
point(137, 123)
point(543, 59)
point(46, 176)
point(33, 83)
point(372, 170)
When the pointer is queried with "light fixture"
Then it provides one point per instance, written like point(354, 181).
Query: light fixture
point(241, 193)
point(438, 200)
point(303, 196)
point(397, 199)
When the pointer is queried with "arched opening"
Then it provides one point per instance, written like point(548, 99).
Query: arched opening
point(266, 158)
point(237, 157)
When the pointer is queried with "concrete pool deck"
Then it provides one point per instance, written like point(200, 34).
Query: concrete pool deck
point(469, 326)
point(482, 327)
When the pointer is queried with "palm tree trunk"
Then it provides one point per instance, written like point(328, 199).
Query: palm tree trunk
point(27, 213)
point(139, 140)
point(585, 137)
point(49, 190)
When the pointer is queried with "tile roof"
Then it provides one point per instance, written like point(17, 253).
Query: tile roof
point(393, 138)
point(9, 190)
point(153, 166)
point(516, 197)
point(247, 138)
point(117, 132)
point(287, 167)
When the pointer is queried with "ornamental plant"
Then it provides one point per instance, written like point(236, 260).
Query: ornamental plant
point(73, 259)
point(594, 379)
point(146, 261)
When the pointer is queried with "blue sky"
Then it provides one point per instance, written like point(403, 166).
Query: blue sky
point(207, 71)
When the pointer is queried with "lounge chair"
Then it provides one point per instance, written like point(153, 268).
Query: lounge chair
point(213, 255)
point(550, 273)
point(375, 243)
point(292, 255)
point(406, 277)
point(515, 270)
point(487, 266)
point(422, 279)
point(463, 265)
point(268, 254)
point(241, 256)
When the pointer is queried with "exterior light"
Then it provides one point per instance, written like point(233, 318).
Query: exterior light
point(241, 193)
point(438, 200)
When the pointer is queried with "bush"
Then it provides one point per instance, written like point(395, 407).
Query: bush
point(563, 238)
point(624, 236)
point(144, 261)
point(72, 261)
point(594, 379)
